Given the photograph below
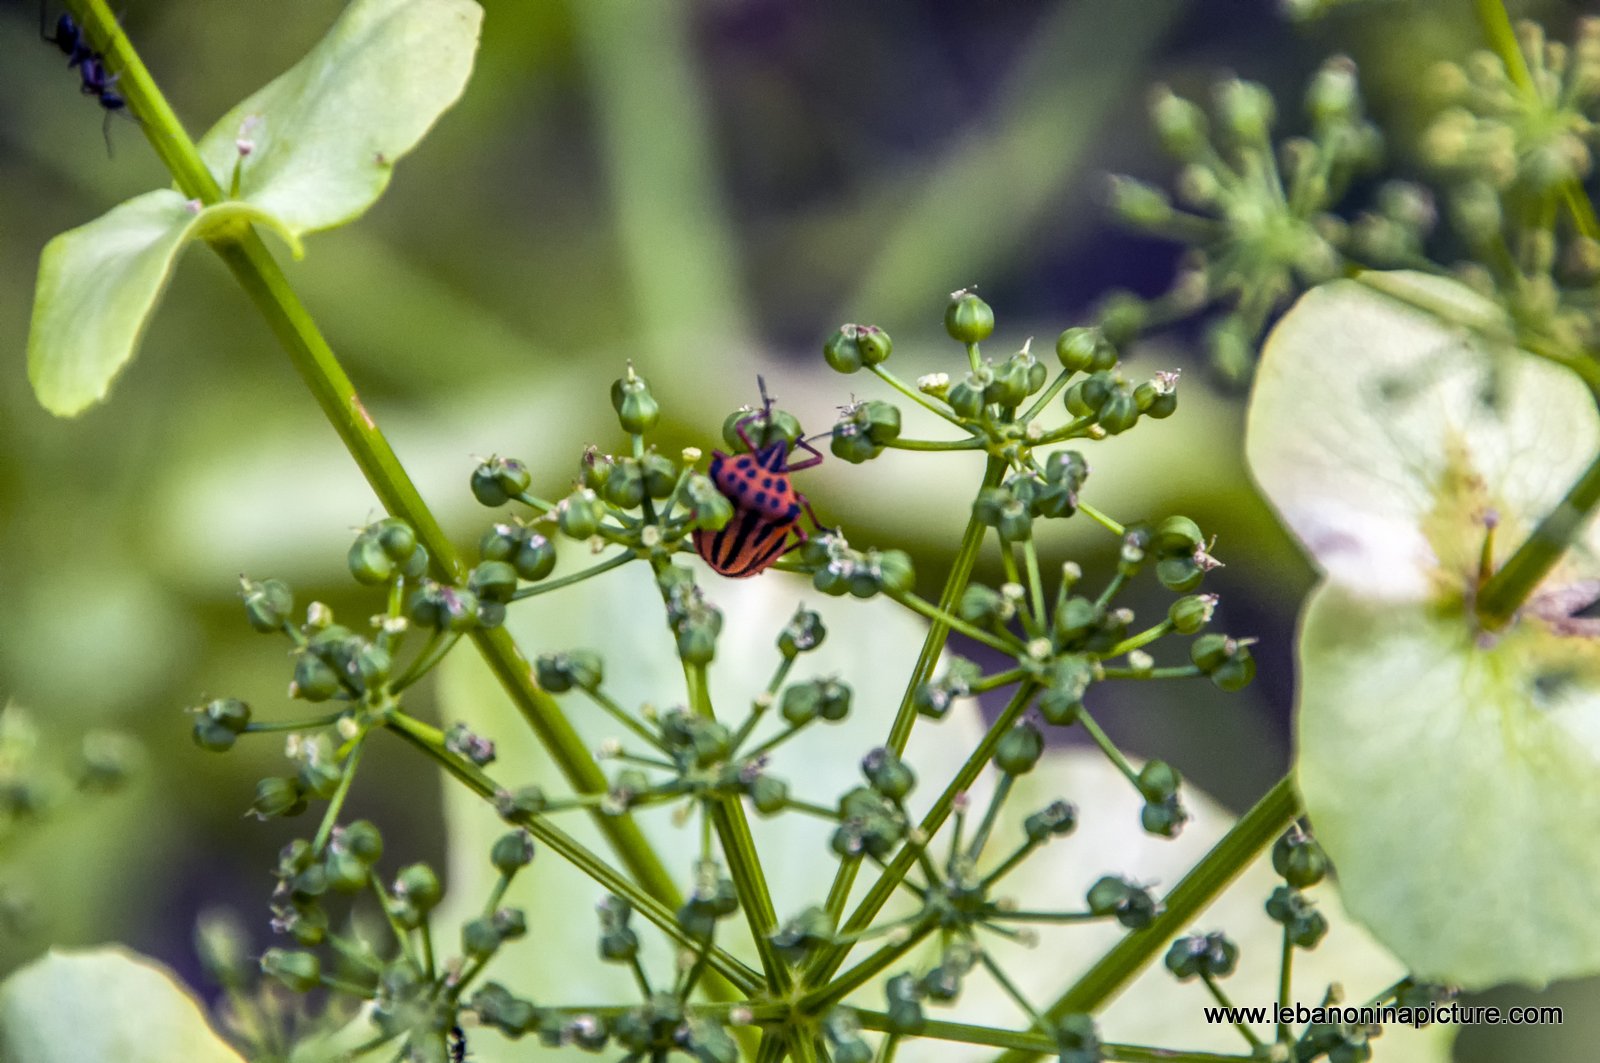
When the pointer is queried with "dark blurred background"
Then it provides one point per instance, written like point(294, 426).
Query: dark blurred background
point(707, 188)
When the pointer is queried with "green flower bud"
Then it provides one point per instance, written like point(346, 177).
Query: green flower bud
point(1176, 537)
point(769, 794)
point(1010, 385)
point(1180, 124)
point(980, 605)
point(362, 840)
point(863, 429)
point(1212, 955)
point(1119, 412)
point(1299, 859)
point(595, 470)
point(513, 805)
point(1305, 925)
point(1181, 574)
point(1078, 1040)
point(1246, 110)
point(493, 581)
point(580, 513)
point(1056, 819)
point(369, 562)
point(1164, 818)
point(1333, 95)
point(1189, 614)
point(1019, 749)
point(763, 429)
point(1226, 660)
point(1065, 682)
point(397, 537)
point(319, 778)
point(618, 942)
point(804, 632)
point(230, 714)
point(313, 679)
point(419, 886)
point(1075, 620)
point(267, 604)
point(1132, 905)
point(935, 698)
point(697, 640)
point(437, 605)
point(535, 557)
point(512, 852)
point(560, 672)
point(1139, 203)
point(709, 508)
point(891, 571)
point(636, 407)
point(211, 736)
point(497, 480)
point(480, 938)
point(300, 971)
point(660, 474)
point(511, 923)
point(1158, 780)
point(849, 443)
point(854, 346)
point(345, 873)
point(968, 319)
point(904, 1010)
point(1076, 347)
point(625, 488)
point(967, 397)
point(277, 796)
point(888, 774)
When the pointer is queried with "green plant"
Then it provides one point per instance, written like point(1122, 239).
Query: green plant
point(742, 977)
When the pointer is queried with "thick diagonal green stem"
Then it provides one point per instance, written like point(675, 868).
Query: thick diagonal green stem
point(1509, 587)
point(259, 274)
point(1254, 831)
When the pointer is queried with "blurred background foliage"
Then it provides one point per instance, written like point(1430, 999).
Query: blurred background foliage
point(705, 188)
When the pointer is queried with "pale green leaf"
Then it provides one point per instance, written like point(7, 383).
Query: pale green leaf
point(1452, 774)
point(326, 133)
point(99, 284)
point(104, 1005)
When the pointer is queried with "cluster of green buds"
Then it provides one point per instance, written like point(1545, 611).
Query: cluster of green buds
point(1260, 217)
point(1512, 146)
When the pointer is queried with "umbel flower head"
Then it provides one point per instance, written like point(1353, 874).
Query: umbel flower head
point(1451, 772)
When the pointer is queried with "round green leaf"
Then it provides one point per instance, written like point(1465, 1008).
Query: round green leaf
point(104, 1005)
point(99, 284)
point(324, 135)
point(1452, 774)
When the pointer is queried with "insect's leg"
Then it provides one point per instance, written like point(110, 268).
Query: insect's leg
point(815, 459)
point(806, 502)
point(744, 437)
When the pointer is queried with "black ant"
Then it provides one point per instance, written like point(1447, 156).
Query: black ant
point(91, 66)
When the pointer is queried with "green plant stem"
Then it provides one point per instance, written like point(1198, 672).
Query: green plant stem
point(935, 444)
point(932, 645)
point(828, 961)
point(572, 577)
point(819, 1000)
point(430, 741)
point(1508, 588)
point(955, 623)
point(1039, 1044)
point(263, 281)
point(928, 402)
point(1254, 832)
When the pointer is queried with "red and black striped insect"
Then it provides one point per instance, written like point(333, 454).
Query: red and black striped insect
point(766, 507)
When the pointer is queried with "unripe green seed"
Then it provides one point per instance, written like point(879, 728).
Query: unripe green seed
point(346, 873)
point(278, 796)
point(1056, 819)
point(493, 581)
point(1158, 780)
point(1179, 123)
point(396, 536)
point(1077, 348)
point(362, 840)
point(560, 672)
point(1010, 385)
point(512, 852)
point(211, 736)
point(1181, 574)
point(580, 513)
point(625, 487)
point(268, 604)
point(854, 346)
point(968, 319)
point(418, 885)
point(313, 679)
point(892, 570)
point(660, 474)
point(1177, 537)
point(319, 778)
point(763, 430)
point(496, 481)
point(1189, 614)
point(888, 774)
point(697, 641)
point(804, 632)
point(1139, 203)
point(769, 794)
point(1118, 413)
point(300, 971)
point(981, 605)
point(535, 558)
point(1019, 749)
point(1299, 859)
point(1164, 818)
point(480, 938)
point(368, 561)
point(637, 409)
point(967, 397)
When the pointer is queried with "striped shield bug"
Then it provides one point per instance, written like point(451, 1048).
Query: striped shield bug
point(766, 507)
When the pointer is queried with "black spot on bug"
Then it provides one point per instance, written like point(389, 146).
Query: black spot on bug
point(761, 498)
point(766, 481)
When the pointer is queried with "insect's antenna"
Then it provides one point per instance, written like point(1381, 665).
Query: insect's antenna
point(766, 400)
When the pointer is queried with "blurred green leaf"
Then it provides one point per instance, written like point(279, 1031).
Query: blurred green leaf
point(324, 136)
point(105, 1005)
point(1386, 435)
point(98, 285)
